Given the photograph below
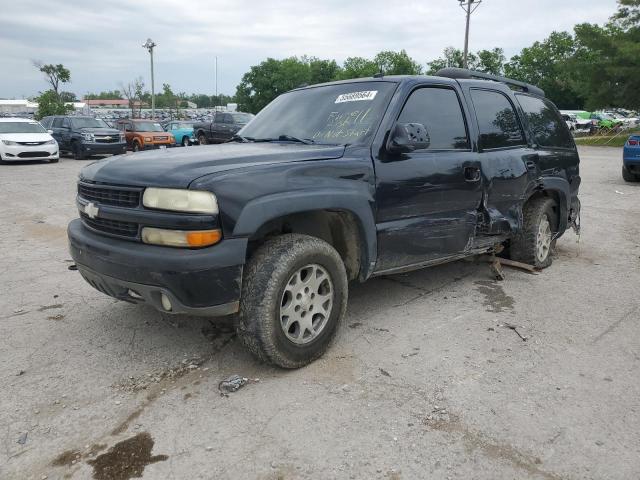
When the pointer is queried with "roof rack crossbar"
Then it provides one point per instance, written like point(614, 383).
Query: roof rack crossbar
point(453, 72)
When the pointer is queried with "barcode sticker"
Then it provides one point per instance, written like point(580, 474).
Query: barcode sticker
point(356, 96)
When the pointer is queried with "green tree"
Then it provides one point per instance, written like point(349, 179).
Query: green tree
point(486, 61)
point(358, 67)
point(55, 74)
point(49, 103)
point(396, 63)
point(605, 65)
point(546, 64)
point(264, 82)
point(108, 95)
point(68, 97)
point(321, 71)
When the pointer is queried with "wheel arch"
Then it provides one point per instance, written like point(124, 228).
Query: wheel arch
point(343, 219)
point(559, 190)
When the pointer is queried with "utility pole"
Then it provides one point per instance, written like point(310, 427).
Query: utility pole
point(469, 6)
point(149, 46)
point(216, 82)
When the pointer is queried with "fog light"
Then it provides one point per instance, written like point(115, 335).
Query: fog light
point(134, 294)
point(166, 303)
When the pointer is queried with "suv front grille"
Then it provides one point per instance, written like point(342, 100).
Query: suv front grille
point(111, 227)
point(107, 139)
point(107, 195)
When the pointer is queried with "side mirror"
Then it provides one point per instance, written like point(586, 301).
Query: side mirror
point(50, 132)
point(407, 137)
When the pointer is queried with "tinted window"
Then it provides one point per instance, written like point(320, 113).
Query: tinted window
point(546, 125)
point(66, 123)
point(57, 122)
point(21, 127)
point(46, 122)
point(438, 109)
point(497, 120)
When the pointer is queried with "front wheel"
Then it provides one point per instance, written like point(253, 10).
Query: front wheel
point(136, 146)
point(76, 149)
point(535, 243)
point(185, 141)
point(202, 139)
point(294, 295)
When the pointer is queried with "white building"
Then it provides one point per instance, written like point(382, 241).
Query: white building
point(17, 106)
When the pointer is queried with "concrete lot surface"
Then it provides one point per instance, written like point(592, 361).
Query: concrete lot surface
point(424, 380)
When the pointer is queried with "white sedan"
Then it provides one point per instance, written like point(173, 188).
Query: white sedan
point(23, 139)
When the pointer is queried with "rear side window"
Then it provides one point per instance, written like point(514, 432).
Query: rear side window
point(548, 129)
point(57, 122)
point(497, 120)
point(438, 109)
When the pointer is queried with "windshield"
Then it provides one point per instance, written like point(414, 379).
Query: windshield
point(148, 127)
point(335, 114)
point(184, 125)
point(241, 118)
point(88, 123)
point(21, 127)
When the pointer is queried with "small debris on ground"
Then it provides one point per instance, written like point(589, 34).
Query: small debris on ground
point(355, 325)
point(23, 438)
point(20, 372)
point(234, 383)
point(514, 328)
point(73, 267)
point(407, 355)
point(384, 372)
point(619, 192)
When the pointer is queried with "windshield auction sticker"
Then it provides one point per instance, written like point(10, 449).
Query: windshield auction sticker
point(356, 96)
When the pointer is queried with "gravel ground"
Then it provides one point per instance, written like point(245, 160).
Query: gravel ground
point(425, 380)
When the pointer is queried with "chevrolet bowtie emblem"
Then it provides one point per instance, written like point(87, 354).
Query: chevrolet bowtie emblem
point(91, 210)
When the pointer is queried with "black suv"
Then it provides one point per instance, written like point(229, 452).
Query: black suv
point(85, 136)
point(221, 128)
point(330, 183)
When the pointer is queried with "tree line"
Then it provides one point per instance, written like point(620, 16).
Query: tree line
point(595, 66)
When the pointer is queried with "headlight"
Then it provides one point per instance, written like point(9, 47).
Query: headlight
point(189, 201)
point(50, 142)
point(9, 142)
point(147, 139)
point(123, 138)
point(88, 137)
point(181, 238)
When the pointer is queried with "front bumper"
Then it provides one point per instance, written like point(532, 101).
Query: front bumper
point(20, 153)
point(204, 282)
point(104, 148)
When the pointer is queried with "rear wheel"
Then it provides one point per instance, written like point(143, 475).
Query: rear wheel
point(535, 243)
point(627, 176)
point(185, 141)
point(294, 295)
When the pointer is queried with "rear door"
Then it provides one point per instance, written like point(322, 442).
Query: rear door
point(56, 126)
point(506, 159)
point(427, 200)
point(65, 133)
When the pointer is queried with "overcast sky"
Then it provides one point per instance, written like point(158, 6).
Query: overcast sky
point(100, 41)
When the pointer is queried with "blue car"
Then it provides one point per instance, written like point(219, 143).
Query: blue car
point(182, 132)
point(631, 159)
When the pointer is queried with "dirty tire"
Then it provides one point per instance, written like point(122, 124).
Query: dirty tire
point(136, 146)
point(185, 141)
point(202, 139)
point(267, 276)
point(77, 151)
point(627, 176)
point(524, 247)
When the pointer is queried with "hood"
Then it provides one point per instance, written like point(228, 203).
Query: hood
point(26, 137)
point(178, 167)
point(100, 131)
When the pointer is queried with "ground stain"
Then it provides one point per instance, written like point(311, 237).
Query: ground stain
point(56, 317)
point(495, 299)
point(66, 458)
point(135, 414)
point(126, 459)
point(498, 451)
point(50, 307)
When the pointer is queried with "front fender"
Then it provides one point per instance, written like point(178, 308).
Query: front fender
point(264, 209)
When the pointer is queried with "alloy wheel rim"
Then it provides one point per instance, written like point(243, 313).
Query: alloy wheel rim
point(543, 239)
point(306, 304)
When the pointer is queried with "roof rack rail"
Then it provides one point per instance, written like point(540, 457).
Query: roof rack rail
point(452, 72)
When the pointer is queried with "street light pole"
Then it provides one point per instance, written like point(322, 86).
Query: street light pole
point(149, 46)
point(469, 6)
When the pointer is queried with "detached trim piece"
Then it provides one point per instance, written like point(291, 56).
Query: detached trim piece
point(463, 73)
